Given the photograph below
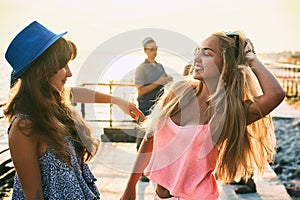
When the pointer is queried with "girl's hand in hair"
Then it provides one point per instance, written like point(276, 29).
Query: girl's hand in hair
point(250, 54)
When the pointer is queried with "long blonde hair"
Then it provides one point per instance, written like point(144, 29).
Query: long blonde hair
point(176, 97)
point(242, 148)
point(50, 111)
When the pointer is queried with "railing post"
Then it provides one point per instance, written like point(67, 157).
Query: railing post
point(82, 110)
point(111, 105)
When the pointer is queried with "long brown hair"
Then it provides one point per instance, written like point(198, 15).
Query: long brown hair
point(50, 111)
point(242, 148)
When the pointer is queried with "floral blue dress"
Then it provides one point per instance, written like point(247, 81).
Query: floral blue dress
point(59, 181)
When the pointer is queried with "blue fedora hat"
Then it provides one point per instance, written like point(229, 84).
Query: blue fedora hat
point(28, 45)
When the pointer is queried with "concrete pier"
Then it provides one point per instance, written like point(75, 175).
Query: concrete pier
point(114, 161)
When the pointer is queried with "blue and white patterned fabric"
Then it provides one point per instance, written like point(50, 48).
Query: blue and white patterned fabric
point(60, 182)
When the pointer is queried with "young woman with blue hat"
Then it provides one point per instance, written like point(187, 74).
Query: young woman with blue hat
point(50, 143)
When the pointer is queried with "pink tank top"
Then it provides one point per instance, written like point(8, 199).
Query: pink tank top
point(183, 160)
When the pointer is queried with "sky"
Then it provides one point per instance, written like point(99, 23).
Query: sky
point(272, 25)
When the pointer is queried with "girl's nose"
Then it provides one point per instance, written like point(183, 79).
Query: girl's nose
point(68, 71)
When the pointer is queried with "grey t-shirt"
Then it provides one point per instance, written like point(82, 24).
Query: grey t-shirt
point(147, 73)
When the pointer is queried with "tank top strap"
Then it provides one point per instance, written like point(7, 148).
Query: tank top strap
point(14, 118)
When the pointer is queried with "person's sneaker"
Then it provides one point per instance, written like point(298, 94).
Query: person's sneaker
point(144, 178)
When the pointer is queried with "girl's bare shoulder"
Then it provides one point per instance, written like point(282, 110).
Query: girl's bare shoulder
point(22, 125)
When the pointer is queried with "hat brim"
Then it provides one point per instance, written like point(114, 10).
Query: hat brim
point(41, 51)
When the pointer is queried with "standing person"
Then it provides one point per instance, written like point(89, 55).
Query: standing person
point(218, 122)
point(150, 77)
point(49, 142)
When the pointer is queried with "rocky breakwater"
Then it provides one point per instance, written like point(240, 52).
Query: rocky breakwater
point(287, 160)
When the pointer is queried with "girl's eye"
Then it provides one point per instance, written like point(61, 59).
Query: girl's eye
point(205, 53)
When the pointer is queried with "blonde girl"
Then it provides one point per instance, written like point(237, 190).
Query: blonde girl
point(218, 123)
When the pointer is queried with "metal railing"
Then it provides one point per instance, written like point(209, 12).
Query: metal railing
point(123, 91)
point(289, 77)
point(287, 74)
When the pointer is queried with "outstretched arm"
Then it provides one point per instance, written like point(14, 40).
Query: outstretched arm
point(273, 93)
point(85, 95)
point(142, 160)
